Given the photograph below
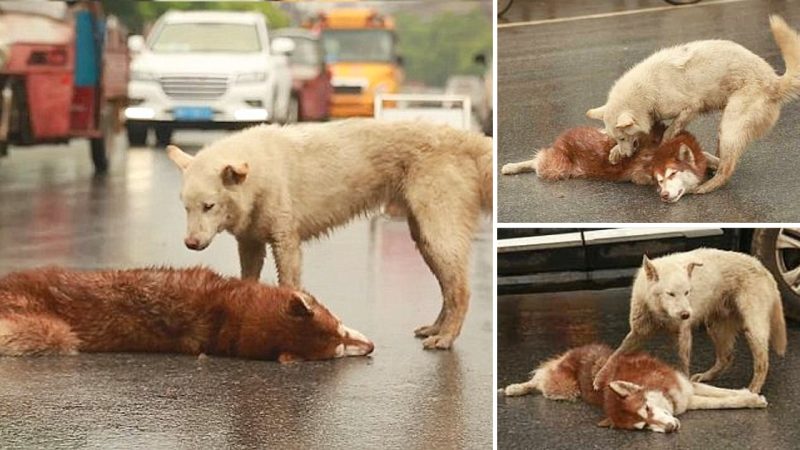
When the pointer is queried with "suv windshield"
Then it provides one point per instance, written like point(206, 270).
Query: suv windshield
point(207, 37)
point(358, 45)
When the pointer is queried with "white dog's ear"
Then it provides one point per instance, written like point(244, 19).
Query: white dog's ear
point(685, 154)
point(179, 157)
point(625, 120)
point(624, 388)
point(690, 267)
point(649, 269)
point(234, 174)
point(596, 113)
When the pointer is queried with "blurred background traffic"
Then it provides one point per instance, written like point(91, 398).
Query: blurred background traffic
point(96, 69)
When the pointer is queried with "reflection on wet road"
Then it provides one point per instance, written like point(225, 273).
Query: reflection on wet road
point(532, 328)
point(53, 212)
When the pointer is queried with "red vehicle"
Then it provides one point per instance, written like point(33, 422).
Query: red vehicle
point(63, 73)
point(311, 77)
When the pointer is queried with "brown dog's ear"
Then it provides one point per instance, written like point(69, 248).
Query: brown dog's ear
point(685, 154)
point(234, 174)
point(649, 269)
point(179, 157)
point(624, 388)
point(596, 113)
point(300, 305)
point(690, 267)
point(625, 120)
point(605, 423)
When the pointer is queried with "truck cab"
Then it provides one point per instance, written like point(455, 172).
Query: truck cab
point(207, 69)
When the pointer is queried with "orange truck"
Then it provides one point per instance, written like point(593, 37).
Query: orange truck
point(361, 51)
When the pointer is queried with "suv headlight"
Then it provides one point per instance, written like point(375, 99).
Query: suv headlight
point(251, 77)
point(141, 75)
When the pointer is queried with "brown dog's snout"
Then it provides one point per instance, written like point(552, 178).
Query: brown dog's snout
point(192, 243)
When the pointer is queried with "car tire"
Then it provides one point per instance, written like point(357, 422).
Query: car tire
point(779, 250)
point(137, 135)
point(99, 155)
point(163, 135)
point(293, 112)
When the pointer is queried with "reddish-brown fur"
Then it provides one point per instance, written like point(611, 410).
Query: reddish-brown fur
point(580, 365)
point(582, 152)
point(667, 156)
point(54, 310)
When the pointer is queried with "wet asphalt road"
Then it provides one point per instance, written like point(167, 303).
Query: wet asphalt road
point(52, 211)
point(550, 74)
point(532, 328)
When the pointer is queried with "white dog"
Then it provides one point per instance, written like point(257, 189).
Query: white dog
point(682, 82)
point(727, 291)
point(285, 185)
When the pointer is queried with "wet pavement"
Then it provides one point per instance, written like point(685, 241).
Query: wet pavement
point(532, 328)
point(53, 211)
point(549, 74)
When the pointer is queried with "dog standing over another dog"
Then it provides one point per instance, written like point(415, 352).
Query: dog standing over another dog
point(682, 82)
point(729, 292)
point(638, 392)
point(285, 185)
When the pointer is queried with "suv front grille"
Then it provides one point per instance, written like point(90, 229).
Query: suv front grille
point(194, 87)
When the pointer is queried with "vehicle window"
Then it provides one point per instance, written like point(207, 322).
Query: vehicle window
point(207, 37)
point(358, 45)
point(305, 52)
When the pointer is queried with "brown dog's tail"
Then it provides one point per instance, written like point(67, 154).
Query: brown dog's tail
point(789, 43)
point(777, 332)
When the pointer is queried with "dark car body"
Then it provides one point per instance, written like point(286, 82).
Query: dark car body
point(548, 259)
point(311, 78)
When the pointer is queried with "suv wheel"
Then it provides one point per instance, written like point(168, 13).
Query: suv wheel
point(163, 135)
point(137, 135)
point(779, 250)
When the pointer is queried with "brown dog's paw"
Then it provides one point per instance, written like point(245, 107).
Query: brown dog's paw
point(438, 342)
point(426, 330)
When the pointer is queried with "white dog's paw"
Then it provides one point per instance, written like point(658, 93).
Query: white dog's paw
point(617, 154)
point(438, 342)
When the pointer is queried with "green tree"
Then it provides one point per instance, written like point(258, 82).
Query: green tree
point(437, 47)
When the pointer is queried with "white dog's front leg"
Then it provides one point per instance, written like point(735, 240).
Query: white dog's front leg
point(286, 249)
point(679, 123)
point(251, 257)
point(685, 347)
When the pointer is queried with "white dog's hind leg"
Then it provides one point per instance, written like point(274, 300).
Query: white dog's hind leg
point(723, 335)
point(747, 117)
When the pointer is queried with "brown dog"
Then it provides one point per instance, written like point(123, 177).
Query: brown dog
point(677, 166)
point(639, 391)
point(59, 311)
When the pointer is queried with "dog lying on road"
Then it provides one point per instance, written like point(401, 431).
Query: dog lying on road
point(681, 82)
point(677, 166)
point(59, 311)
point(727, 291)
point(283, 186)
point(638, 392)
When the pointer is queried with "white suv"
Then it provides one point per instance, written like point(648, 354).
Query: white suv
point(207, 69)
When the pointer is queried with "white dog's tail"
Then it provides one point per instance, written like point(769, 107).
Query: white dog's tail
point(789, 43)
point(777, 331)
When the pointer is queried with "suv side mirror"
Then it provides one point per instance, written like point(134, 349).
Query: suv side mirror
point(282, 45)
point(136, 43)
